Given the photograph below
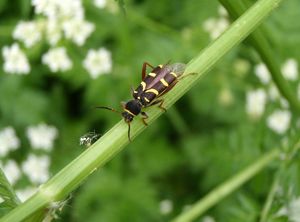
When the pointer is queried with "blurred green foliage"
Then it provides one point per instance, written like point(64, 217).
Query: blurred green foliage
point(164, 162)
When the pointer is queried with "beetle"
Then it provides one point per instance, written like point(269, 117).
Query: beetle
point(159, 81)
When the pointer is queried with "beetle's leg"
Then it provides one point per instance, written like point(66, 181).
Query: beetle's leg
point(186, 75)
point(133, 92)
point(128, 132)
point(145, 64)
point(144, 117)
point(160, 102)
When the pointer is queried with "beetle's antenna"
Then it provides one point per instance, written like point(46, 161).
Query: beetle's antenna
point(108, 108)
point(129, 132)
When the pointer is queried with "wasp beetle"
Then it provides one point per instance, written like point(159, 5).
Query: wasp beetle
point(159, 81)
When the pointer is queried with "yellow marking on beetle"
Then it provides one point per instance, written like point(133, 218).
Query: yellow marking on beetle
point(139, 97)
point(164, 82)
point(152, 91)
point(135, 91)
point(160, 66)
point(143, 85)
point(152, 74)
point(126, 110)
point(173, 74)
point(147, 100)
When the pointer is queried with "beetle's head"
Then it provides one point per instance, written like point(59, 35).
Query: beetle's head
point(128, 117)
point(131, 109)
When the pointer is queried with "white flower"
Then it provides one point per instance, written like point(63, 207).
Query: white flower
point(54, 9)
point(15, 60)
point(290, 69)
point(78, 30)
point(12, 171)
point(222, 11)
point(36, 168)
point(27, 32)
point(98, 62)
point(8, 141)
point(53, 31)
point(57, 59)
point(41, 136)
point(70, 9)
point(166, 206)
point(45, 7)
point(100, 3)
point(262, 73)
point(256, 101)
point(24, 194)
point(292, 210)
point(279, 121)
point(1, 200)
point(215, 27)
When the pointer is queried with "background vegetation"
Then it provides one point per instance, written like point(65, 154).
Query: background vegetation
point(204, 139)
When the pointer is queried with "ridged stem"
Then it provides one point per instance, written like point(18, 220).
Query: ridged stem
point(226, 188)
point(259, 41)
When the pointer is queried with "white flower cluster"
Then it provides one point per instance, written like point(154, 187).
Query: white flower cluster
point(280, 119)
point(57, 9)
point(15, 60)
point(166, 206)
point(289, 70)
point(42, 136)
point(216, 26)
point(8, 141)
point(256, 102)
point(57, 59)
point(12, 171)
point(28, 32)
point(98, 62)
point(64, 18)
point(35, 167)
point(60, 19)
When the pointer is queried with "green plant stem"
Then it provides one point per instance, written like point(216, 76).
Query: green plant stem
point(226, 188)
point(271, 195)
point(283, 166)
point(115, 139)
point(267, 53)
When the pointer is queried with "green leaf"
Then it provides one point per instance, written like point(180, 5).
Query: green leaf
point(7, 195)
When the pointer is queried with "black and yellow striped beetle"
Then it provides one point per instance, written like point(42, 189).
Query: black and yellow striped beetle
point(159, 81)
